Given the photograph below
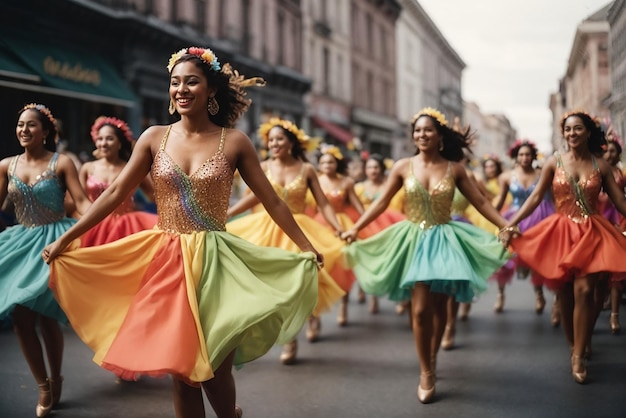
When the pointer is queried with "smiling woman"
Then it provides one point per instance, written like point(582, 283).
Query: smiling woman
point(428, 257)
point(35, 182)
point(207, 296)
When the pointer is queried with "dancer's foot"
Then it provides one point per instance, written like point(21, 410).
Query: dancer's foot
point(44, 404)
point(447, 343)
point(313, 329)
point(290, 350)
point(614, 322)
point(499, 306)
point(540, 302)
point(579, 372)
point(373, 308)
point(426, 387)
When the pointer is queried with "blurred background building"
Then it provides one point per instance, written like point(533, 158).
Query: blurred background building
point(350, 71)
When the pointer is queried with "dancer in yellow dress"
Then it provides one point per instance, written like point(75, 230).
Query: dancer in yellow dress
point(187, 298)
point(292, 176)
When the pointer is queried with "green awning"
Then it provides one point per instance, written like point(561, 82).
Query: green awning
point(66, 71)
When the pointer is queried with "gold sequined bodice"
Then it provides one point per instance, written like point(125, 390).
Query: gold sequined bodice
point(429, 208)
point(576, 199)
point(294, 193)
point(196, 202)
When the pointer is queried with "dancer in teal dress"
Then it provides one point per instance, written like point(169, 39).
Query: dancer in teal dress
point(428, 257)
point(35, 182)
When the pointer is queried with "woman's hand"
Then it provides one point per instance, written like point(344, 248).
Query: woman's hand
point(507, 233)
point(349, 236)
point(320, 260)
point(52, 251)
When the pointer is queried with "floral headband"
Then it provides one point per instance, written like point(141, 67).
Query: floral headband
point(433, 113)
point(332, 150)
point(43, 110)
point(493, 157)
point(205, 54)
point(519, 143)
point(308, 143)
point(118, 123)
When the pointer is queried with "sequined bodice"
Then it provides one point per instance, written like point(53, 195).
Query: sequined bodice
point(196, 202)
point(337, 199)
point(40, 203)
point(294, 193)
point(579, 199)
point(95, 187)
point(429, 208)
point(459, 203)
point(519, 193)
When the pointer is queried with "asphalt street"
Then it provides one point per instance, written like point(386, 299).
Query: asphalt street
point(513, 364)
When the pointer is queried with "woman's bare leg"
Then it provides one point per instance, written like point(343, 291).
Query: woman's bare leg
point(188, 401)
point(221, 389)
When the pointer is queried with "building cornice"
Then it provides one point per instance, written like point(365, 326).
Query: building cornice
point(414, 8)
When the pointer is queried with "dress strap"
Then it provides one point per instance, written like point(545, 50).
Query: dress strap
point(594, 162)
point(222, 140)
point(559, 161)
point(52, 165)
point(12, 165)
point(165, 136)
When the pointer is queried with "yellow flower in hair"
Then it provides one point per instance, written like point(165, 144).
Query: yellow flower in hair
point(388, 162)
point(332, 150)
point(433, 113)
point(309, 144)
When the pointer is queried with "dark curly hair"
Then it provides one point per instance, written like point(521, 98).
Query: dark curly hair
point(454, 142)
point(514, 150)
point(597, 138)
point(230, 94)
point(50, 140)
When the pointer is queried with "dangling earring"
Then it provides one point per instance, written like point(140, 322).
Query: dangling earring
point(44, 141)
point(172, 108)
point(441, 145)
point(213, 106)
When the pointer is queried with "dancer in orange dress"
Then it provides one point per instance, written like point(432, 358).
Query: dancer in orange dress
point(339, 191)
point(198, 299)
point(113, 139)
point(292, 176)
point(575, 246)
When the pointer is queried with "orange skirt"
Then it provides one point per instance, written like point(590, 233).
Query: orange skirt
point(560, 249)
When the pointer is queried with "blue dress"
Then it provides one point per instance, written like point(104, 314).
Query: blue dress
point(41, 217)
point(454, 258)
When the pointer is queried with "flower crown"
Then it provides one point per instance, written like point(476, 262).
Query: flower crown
point(519, 143)
point(42, 109)
point(576, 113)
point(308, 143)
point(205, 54)
point(493, 157)
point(118, 123)
point(332, 150)
point(433, 113)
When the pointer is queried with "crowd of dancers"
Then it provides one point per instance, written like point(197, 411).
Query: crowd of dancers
point(218, 284)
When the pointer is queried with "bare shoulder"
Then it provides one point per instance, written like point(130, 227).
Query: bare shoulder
point(458, 170)
point(605, 168)
point(4, 164)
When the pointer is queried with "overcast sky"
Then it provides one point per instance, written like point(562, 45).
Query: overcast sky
point(515, 51)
